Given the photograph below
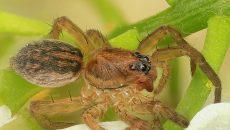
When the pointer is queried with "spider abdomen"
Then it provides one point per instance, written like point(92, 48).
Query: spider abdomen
point(49, 63)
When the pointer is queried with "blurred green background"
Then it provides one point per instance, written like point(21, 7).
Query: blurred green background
point(88, 14)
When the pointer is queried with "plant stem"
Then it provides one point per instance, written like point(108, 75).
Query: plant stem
point(174, 83)
point(187, 16)
point(215, 47)
point(172, 2)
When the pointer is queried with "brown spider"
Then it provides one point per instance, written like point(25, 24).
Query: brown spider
point(113, 76)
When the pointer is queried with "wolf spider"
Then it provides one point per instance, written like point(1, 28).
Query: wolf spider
point(113, 76)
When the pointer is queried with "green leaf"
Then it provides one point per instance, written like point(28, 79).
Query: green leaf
point(5, 43)
point(127, 40)
point(14, 90)
point(215, 47)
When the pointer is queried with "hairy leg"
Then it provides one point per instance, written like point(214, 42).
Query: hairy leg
point(46, 111)
point(174, 52)
point(93, 114)
point(193, 66)
point(169, 113)
point(63, 23)
point(164, 77)
point(158, 109)
point(157, 124)
point(183, 48)
point(98, 39)
point(134, 122)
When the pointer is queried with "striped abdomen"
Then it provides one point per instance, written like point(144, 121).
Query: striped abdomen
point(48, 63)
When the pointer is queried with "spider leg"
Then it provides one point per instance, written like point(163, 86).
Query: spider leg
point(157, 124)
point(166, 112)
point(196, 57)
point(93, 114)
point(193, 66)
point(148, 44)
point(98, 39)
point(82, 40)
point(134, 122)
point(163, 78)
point(46, 111)
point(158, 109)
point(183, 48)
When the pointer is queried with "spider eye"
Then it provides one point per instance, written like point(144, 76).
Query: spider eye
point(136, 54)
point(143, 67)
point(143, 64)
point(145, 59)
point(132, 66)
point(140, 66)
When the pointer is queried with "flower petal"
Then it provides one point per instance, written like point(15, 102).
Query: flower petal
point(212, 117)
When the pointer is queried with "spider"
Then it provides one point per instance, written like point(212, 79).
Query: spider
point(113, 76)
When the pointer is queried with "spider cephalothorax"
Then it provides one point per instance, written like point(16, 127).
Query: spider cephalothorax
point(110, 68)
point(113, 76)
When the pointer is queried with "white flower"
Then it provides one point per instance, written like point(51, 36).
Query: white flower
point(5, 115)
point(212, 117)
point(114, 125)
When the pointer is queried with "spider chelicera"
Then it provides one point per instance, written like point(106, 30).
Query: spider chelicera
point(113, 76)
